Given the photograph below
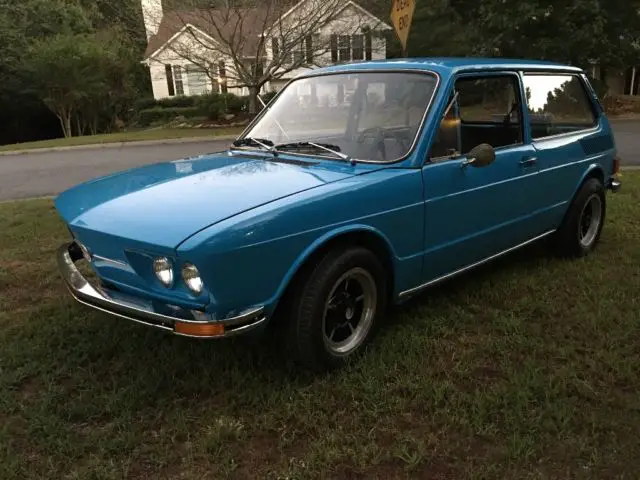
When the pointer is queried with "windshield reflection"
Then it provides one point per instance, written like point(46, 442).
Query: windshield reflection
point(366, 115)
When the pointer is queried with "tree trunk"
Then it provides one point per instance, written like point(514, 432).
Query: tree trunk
point(65, 123)
point(253, 100)
point(79, 128)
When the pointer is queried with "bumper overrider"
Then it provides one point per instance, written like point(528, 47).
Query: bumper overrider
point(614, 185)
point(176, 320)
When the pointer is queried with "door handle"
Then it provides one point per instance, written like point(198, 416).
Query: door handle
point(528, 161)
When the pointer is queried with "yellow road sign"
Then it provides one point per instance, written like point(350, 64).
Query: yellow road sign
point(401, 17)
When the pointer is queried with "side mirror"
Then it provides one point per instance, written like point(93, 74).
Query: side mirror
point(481, 156)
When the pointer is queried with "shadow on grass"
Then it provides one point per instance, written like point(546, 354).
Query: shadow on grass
point(161, 368)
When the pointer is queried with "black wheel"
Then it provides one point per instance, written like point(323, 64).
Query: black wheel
point(580, 231)
point(337, 308)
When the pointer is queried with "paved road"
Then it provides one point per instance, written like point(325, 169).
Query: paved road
point(41, 174)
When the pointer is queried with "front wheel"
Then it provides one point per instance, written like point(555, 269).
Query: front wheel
point(581, 229)
point(337, 308)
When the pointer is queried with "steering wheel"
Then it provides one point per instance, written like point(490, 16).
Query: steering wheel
point(379, 134)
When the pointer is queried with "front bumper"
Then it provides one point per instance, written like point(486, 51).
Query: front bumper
point(176, 320)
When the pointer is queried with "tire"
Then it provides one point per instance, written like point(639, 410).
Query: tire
point(346, 287)
point(582, 226)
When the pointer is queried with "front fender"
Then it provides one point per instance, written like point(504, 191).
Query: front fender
point(250, 259)
point(327, 238)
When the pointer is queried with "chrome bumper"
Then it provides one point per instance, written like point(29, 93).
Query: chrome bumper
point(175, 320)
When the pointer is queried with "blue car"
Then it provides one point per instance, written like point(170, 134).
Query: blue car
point(357, 187)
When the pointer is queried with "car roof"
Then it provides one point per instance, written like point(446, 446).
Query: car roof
point(446, 66)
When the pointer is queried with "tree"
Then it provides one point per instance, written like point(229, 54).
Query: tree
point(261, 42)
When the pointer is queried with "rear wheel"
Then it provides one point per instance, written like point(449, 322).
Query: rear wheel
point(337, 308)
point(580, 231)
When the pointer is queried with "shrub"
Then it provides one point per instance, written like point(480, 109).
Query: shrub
point(145, 104)
point(234, 104)
point(211, 105)
point(267, 97)
point(159, 114)
point(177, 102)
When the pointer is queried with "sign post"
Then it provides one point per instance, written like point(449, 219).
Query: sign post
point(401, 17)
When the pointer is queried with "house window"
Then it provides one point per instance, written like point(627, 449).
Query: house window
point(177, 80)
point(298, 55)
point(344, 48)
point(169, 74)
point(357, 45)
point(197, 79)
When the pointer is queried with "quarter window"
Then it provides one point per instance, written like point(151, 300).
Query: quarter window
point(480, 110)
point(557, 104)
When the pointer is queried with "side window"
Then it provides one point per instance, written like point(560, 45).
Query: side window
point(482, 110)
point(557, 104)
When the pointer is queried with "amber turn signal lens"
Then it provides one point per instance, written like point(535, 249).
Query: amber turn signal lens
point(200, 329)
point(616, 165)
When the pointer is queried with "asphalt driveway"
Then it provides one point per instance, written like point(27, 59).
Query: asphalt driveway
point(51, 172)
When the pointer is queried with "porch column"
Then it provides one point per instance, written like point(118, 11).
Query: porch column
point(633, 80)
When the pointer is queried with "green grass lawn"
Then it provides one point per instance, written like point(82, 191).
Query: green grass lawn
point(155, 134)
point(528, 368)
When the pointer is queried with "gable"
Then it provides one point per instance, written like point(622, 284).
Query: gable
point(251, 23)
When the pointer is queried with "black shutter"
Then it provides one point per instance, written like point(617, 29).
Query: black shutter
point(169, 72)
point(276, 48)
point(368, 45)
point(334, 48)
point(222, 72)
point(309, 45)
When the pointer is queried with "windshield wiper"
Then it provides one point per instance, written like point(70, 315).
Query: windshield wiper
point(327, 147)
point(261, 142)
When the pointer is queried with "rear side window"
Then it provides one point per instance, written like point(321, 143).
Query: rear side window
point(557, 104)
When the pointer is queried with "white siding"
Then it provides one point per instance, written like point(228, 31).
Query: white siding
point(350, 22)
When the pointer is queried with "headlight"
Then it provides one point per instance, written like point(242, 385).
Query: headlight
point(164, 271)
point(191, 277)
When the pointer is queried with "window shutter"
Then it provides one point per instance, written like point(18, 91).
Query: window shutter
point(309, 45)
point(368, 46)
point(169, 73)
point(275, 45)
point(222, 73)
point(334, 48)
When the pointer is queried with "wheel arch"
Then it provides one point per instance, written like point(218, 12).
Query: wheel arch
point(355, 235)
point(594, 170)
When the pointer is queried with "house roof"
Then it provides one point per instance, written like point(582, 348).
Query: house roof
point(249, 23)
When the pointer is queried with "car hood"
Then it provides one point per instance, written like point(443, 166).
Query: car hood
point(165, 203)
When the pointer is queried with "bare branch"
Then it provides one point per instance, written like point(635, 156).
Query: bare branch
point(262, 40)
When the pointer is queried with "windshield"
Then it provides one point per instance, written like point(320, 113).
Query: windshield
point(365, 116)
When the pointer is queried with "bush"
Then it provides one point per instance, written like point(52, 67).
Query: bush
point(234, 104)
point(177, 102)
point(145, 104)
point(215, 105)
point(159, 114)
point(211, 105)
point(267, 97)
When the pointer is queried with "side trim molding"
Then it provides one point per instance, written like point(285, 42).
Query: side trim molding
point(413, 291)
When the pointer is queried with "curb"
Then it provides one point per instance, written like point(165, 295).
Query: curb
point(139, 143)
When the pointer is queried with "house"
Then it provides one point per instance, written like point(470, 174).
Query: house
point(188, 54)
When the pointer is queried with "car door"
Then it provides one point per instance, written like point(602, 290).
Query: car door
point(568, 134)
point(473, 213)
